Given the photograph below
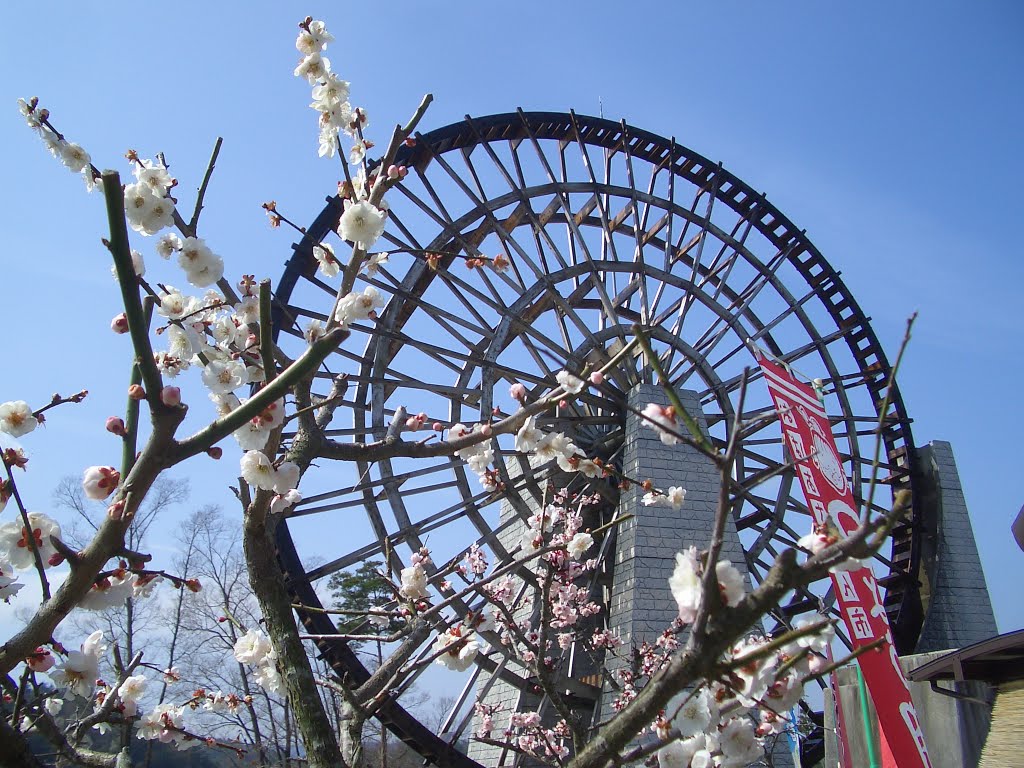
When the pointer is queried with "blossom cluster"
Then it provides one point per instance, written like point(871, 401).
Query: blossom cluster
point(723, 723)
point(72, 155)
point(527, 733)
point(254, 649)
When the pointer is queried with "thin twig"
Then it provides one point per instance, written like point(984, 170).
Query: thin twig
point(194, 222)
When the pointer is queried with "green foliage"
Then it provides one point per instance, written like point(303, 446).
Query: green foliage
point(358, 591)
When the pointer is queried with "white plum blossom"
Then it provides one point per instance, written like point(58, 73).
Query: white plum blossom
point(202, 266)
point(153, 176)
point(253, 435)
point(674, 497)
point(168, 244)
point(695, 715)
point(679, 754)
point(414, 582)
point(330, 93)
point(9, 585)
point(662, 419)
point(358, 306)
point(146, 211)
point(54, 705)
point(313, 37)
point(738, 743)
point(326, 260)
point(315, 330)
point(378, 616)
point(817, 540)
point(528, 436)
point(16, 540)
point(99, 482)
point(163, 723)
point(16, 418)
point(285, 501)
point(817, 641)
point(460, 651)
point(224, 377)
point(248, 310)
point(257, 470)
point(313, 67)
point(361, 223)
point(579, 544)
point(571, 384)
point(173, 304)
point(109, 593)
point(74, 157)
point(252, 647)
point(78, 672)
point(685, 584)
point(130, 691)
point(227, 332)
point(558, 447)
point(286, 477)
point(374, 262)
point(268, 678)
point(730, 582)
point(138, 263)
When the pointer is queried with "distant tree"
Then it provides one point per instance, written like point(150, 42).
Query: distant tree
point(358, 590)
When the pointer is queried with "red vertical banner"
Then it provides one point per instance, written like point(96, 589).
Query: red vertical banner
point(808, 435)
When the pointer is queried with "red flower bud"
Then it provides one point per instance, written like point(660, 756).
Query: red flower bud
point(119, 324)
point(136, 392)
point(215, 452)
point(115, 426)
point(116, 510)
point(170, 396)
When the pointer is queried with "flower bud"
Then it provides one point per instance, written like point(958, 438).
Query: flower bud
point(215, 452)
point(115, 426)
point(119, 324)
point(597, 378)
point(170, 396)
point(116, 510)
point(136, 392)
point(393, 173)
point(437, 426)
point(517, 392)
point(486, 430)
point(40, 660)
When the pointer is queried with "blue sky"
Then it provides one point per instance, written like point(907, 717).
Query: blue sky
point(889, 131)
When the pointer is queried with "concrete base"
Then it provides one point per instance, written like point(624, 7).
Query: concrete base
point(954, 728)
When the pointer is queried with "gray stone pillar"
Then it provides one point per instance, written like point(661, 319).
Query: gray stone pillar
point(959, 611)
point(641, 602)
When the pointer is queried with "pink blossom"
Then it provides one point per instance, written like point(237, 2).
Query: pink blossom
point(119, 324)
point(170, 396)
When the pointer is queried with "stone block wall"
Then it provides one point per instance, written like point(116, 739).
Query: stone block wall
point(959, 608)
